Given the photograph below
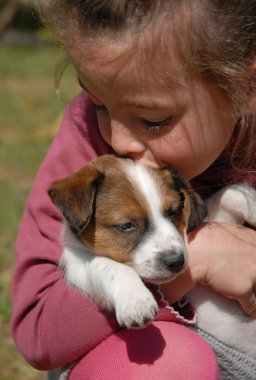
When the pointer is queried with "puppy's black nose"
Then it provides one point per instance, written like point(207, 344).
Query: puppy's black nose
point(174, 261)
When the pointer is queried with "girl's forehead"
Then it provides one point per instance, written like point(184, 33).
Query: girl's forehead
point(106, 60)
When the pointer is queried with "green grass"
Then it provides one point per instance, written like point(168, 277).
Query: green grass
point(29, 116)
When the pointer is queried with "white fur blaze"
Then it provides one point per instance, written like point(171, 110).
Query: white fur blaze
point(164, 237)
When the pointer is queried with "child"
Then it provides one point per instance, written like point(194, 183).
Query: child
point(166, 82)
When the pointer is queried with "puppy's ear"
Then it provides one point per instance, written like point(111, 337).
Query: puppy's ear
point(74, 196)
point(198, 210)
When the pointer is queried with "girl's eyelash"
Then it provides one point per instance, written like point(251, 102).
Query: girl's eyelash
point(151, 126)
point(154, 126)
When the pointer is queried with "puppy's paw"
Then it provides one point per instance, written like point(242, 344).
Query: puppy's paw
point(137, 310)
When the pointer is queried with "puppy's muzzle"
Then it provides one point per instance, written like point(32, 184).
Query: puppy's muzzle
point(172, 260)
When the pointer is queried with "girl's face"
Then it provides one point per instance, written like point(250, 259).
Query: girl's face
point(152, 110)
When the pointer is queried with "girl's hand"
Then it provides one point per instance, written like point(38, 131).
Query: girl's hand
point(222, 256)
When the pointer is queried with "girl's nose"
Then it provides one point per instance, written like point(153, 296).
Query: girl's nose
point(125, 141)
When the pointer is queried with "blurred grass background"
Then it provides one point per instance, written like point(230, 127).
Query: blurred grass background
point(29, 116)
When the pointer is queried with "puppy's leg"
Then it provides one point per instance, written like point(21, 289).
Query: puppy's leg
point(234, 203)
point(134, 304)
point(111, 285)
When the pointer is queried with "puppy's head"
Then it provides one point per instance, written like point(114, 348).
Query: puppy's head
point(133, 214)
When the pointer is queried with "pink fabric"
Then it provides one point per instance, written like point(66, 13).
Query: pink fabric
point(164, 350)
point(53, 324)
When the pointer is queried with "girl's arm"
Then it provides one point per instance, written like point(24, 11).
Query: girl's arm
point(223, 257)
point(53, 324)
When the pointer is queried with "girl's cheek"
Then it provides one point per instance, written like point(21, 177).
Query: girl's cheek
point(104, 126)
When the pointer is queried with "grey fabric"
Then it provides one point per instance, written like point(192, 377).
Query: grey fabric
point(233, 365)
point(60, 373)
point(54, 374)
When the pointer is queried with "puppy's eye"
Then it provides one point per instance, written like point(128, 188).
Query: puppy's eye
point(127, 227)
point(170, 213)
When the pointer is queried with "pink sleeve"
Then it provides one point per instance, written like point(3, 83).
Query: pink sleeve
point(53, 324)
point(249, 178)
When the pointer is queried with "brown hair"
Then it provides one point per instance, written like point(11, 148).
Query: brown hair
point(217, 39)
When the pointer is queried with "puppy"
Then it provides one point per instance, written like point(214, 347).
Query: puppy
point(127, 223)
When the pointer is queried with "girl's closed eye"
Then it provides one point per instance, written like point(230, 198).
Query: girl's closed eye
point(147, 125)
point(157, 125)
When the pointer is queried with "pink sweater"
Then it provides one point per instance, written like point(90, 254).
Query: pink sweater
point(52, 323)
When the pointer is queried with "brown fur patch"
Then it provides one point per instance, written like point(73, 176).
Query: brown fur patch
point(116, 203)
point(100, 201)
